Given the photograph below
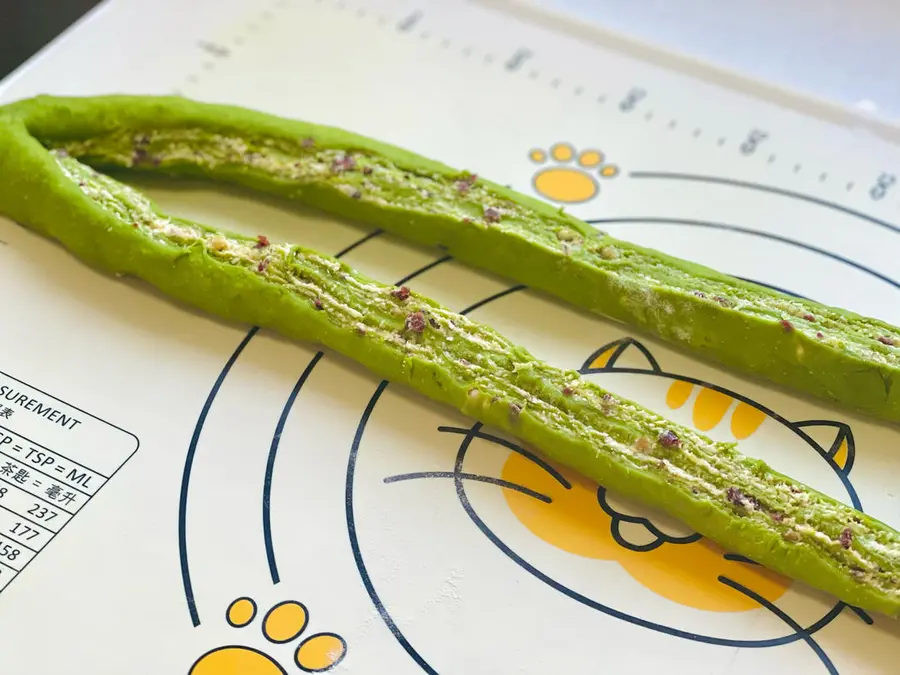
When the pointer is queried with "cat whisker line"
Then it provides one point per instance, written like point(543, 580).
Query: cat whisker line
point(804, 633)
point(470, 476)
point(510, 446)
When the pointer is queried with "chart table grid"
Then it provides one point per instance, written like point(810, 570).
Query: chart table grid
point(42, 488)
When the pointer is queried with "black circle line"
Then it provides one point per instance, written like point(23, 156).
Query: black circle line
point(422, 270)
point(196, 663)
point(302, 628)
point(491, 298)
point(270, 466)
point(186, 478)
point(593, 604)
point(328, 667)
point(750, 232)
point(665, 175)
point(354, 541)
point(252, 615)
point(527, 454)
point(772, 287)
point(359, 242)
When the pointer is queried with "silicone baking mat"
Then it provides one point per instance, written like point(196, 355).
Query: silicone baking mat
point(184, 495)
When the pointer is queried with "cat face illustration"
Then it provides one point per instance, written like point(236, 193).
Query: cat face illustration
point(595, 561)
point(576, 516)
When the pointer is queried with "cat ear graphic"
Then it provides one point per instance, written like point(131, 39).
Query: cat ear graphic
point(608, 356)
point(834, 439)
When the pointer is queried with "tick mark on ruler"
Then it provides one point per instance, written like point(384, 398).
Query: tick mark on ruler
point(216, 50)
point(409, 22)
point(518, 58)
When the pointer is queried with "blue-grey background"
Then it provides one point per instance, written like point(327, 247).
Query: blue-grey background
point(837, 50)
point(27, 25)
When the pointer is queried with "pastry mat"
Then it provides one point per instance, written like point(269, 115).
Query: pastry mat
point(183, 495)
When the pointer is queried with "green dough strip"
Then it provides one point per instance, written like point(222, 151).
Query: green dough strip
point(736, 501)
point(823, 351)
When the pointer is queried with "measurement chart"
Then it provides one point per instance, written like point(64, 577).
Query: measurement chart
point(43, 488)
point(290, 512)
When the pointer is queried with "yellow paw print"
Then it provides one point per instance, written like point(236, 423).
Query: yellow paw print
point(565, 182)
point(283, 623)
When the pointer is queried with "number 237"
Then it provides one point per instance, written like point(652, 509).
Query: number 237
point(42, 512)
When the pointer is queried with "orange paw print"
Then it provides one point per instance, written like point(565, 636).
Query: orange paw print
point(567, 182)
point(283, 623)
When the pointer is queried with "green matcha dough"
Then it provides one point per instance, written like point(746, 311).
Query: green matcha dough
point(738, 502)
point(823, 351)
